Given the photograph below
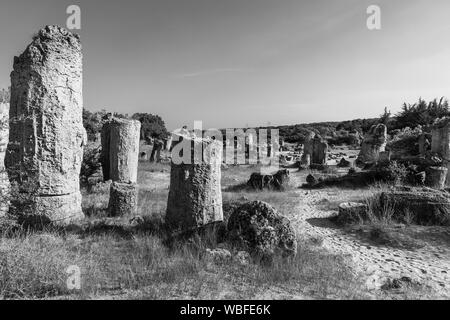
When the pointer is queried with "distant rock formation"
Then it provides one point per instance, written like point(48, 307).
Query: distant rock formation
point(47, 136)
point(373, 144)
point(315, 150)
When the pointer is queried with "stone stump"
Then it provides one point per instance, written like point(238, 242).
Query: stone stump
point(435, 177)
point(122, 199)
point(351, 212)
point(373, 144)
point(195, 196)
point(47, 136)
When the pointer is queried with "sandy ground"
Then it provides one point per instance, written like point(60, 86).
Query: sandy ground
point(429, 265)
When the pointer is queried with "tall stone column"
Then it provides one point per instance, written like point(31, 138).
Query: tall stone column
point(120, 149)
point(46, 139)
point(195, 196)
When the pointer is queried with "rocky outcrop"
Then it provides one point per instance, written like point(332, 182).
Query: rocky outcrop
point(46, 137)
point(374, 143)
point(260, 229)
point(195, 196)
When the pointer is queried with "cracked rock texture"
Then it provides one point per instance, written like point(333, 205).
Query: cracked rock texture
point(373, 144)
point(46, 128)
point(120, 149)
point(195, 196)
point(122, 199)
point(4, 182)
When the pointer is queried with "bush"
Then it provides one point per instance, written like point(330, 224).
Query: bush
point(394, 172)
point(91, 165)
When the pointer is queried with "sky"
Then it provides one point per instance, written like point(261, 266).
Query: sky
point(238, 63)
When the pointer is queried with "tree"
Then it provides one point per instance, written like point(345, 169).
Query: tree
point(5, 95)
point(385, 117)
point(152, 126)
point(421, 113)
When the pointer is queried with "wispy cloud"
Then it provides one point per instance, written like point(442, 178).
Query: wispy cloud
point(206, 72)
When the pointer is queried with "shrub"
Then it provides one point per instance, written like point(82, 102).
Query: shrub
point(91, 165)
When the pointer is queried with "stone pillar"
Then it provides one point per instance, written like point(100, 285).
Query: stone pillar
point(440, 142)
point(46, 139)
point(435, 177)
point(374, 142)
point(124, 149)
point(105, 158)
point(4, 182)
point(195, 196)
point(121, 148)
point(319, 151)
point(308, 149)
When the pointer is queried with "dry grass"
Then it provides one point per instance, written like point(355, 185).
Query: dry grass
point(136, 263)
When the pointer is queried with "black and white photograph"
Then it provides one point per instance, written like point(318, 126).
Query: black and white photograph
point(231, 153)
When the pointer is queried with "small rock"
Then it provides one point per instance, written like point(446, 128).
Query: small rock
point(243, 258)
point(217, 255)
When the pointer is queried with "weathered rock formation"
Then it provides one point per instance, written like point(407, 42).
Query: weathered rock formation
point(4, 182)
point(374, 142)
point(307, 149)
point(195, 196)
point(435, 177)
point(46, 139)
point(277, 181)
point(352, 212)
point(122, 199)
point(120, 158)
point(260, 229)
point(440, 142)
point(120, 147)
point(315, 150)
point(319, 150)
point(423, 206)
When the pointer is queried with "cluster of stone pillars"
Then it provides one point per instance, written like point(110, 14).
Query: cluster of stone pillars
point(46, 140)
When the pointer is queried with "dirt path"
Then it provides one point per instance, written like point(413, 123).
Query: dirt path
point(429, 265)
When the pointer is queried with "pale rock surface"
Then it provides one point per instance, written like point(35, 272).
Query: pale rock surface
point(46, 127)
